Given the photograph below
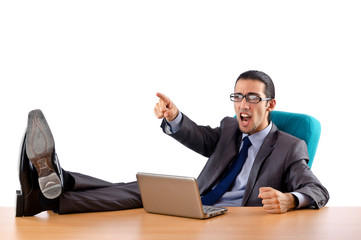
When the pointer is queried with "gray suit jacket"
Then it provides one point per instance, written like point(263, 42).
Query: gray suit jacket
point(281, 162)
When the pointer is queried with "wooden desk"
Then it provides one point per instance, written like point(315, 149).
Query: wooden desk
point(239, 223)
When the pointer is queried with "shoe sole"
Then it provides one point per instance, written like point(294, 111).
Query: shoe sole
point(39, 148)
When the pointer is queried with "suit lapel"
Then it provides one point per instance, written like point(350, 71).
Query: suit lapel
point(220, 160)
point(265, 150)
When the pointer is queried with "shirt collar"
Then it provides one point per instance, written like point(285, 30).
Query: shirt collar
point(258, 138)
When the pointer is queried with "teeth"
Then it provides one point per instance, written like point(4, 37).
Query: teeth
point(244, 115)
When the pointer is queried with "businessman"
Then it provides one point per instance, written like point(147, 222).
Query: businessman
point(251, 162)
point(275, 174)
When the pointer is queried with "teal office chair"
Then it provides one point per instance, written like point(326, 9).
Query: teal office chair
point(299, 125)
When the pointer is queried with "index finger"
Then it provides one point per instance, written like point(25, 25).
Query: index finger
point(263, 190)
point(164, 98)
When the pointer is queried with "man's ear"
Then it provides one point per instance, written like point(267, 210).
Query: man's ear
point(271, 105)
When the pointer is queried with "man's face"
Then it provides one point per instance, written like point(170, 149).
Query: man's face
point(252, 117)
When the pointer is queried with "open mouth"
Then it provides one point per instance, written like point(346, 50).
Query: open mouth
point(245, 118)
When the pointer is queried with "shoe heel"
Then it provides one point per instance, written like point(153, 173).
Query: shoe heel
point(19, 204)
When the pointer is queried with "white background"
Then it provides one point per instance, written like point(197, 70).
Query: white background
point(93, 67)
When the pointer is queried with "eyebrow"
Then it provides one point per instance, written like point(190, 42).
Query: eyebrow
point(252, 93)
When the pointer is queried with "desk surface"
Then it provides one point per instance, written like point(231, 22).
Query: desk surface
point(237, 223)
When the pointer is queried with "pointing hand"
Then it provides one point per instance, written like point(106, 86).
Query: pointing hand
point(165, 108)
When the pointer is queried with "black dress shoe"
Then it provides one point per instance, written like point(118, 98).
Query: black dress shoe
point(27, 199)
point(40, 149)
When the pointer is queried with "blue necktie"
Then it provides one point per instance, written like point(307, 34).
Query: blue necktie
point(211, 197)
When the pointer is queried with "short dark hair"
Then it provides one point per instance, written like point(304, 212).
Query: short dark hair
point(269, 89)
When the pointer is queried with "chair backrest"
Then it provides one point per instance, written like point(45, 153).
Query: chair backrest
point(299, 125)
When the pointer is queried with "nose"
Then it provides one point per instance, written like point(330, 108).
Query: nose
point(243, 104)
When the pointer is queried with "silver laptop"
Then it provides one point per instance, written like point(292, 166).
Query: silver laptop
point(174, 195)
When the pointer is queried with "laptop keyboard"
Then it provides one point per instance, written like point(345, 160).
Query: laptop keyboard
point(208, 209)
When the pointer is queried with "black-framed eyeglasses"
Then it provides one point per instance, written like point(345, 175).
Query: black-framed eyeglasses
point(251, 98)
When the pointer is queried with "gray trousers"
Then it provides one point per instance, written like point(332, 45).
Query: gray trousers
point(89, 194)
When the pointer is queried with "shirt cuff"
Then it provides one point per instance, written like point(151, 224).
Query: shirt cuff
point(175, 124)
point(303, 200)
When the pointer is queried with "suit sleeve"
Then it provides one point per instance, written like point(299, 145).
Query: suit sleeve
point(201, 139)
point(299, 177)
